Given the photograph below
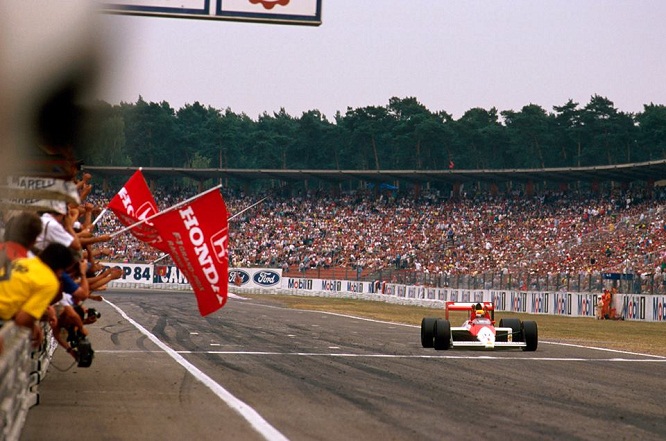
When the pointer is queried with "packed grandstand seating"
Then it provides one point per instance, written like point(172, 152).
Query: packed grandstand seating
point(363, 232)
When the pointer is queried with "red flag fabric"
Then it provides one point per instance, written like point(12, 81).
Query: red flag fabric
point(135, 202)
point(196, 235)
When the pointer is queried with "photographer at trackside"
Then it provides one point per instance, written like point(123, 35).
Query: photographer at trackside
point(67, 317)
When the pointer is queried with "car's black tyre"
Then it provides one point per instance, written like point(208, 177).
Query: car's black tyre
point(530, 335)
point(514, 324)
point(442, 334)
point(428, 332)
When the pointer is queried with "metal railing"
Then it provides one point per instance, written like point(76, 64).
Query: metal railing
point(527, 281)
point(501, 280)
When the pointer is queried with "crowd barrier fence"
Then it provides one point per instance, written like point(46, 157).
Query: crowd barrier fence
point(625, 282)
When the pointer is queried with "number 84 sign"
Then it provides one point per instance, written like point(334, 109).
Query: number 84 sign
point(133, 273)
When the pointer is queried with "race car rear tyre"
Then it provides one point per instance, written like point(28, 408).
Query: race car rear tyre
point(530, 335)
point(428, 331)
point(514, 324)
point(442, 334)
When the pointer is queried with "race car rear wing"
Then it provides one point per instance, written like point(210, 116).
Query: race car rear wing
point(468, 306)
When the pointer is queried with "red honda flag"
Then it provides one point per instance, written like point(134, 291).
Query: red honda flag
point(133, 203)
point(196, 235)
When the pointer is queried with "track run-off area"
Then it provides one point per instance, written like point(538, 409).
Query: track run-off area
point(255, 370)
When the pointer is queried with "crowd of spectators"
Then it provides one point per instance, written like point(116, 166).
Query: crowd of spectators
point(553, 232)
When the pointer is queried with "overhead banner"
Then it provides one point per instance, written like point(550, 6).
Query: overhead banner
point(297, 12)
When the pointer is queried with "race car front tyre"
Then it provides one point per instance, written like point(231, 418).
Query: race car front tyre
point(530, 335)
point(442, 334)
point(428, 331)
point(514, 324)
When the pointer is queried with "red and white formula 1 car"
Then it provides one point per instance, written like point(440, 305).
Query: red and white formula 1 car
point(479, 331)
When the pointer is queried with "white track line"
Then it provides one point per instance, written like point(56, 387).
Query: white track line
point(603, 349)
point(251, 416)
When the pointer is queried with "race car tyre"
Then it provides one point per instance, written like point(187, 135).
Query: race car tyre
point(442, 334)
point(530, 335)
point(428, 331)
point(514, 324)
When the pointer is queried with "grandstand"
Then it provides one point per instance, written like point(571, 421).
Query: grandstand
point(546, 236)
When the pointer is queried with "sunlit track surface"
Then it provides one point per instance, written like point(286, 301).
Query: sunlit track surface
point(312, 375)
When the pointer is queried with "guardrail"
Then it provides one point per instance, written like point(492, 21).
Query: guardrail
point(22, 368)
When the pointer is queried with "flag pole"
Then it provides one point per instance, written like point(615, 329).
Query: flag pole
point(228, 219)
point(244, 210)
point(160, 258)
point(173, 207)
point(100, 216)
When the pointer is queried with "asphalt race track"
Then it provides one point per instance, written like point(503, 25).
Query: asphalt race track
point(255, 370)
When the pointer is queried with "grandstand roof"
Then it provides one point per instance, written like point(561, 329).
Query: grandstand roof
point(643, 171)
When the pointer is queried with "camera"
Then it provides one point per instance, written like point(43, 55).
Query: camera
point(89, 315)
point(83, 351)
point(81, 347)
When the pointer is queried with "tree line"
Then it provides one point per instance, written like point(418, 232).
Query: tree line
point(403, 135)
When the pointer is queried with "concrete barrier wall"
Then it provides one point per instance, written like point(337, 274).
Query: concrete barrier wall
point(22, 368)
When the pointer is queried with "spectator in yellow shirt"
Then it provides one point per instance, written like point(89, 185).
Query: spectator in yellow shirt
point(29, 285)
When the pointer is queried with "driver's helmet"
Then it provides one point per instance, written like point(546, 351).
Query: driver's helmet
point(479, 312)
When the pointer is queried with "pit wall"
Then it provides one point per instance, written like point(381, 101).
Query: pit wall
point(639, 307)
